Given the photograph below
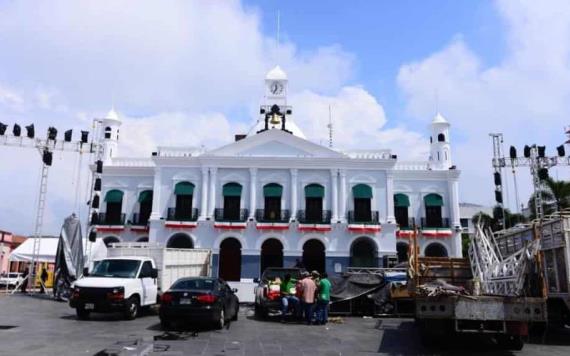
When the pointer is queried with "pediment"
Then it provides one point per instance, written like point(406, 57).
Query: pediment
point(274, 143)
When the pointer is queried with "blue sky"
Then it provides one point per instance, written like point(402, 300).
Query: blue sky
point(191, 73)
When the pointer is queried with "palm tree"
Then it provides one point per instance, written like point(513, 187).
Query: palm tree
point(559, 192)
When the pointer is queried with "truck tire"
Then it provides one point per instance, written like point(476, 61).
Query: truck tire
point(132, 307)
point(165, 324)
point(221, 320)
point(82, 314)
point(260, 312)
point(510, 342)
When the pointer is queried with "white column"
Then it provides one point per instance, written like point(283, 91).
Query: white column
point(390, 218)
point(334, 191)
point(453, 190)
point(204, 195)
point(294, 174)
point(213, 181)
point(343, 196)
point(156, 209)
point(252, 191)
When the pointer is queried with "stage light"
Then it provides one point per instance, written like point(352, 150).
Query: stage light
point(561, 151)
point(52, 133)
point(97, 186)
point(527, 151)
point(84, 136)
point(541, 151)
point(17, 130)
point(47, 157)
point(30, 131)
point(513, 152)
point(3, 128)
point(95, 202)
point(543, 173)
point(99, 168)
point(67, 135)
point(92, 236)
point(497, 177)
point(498, 196)
point(94, 218)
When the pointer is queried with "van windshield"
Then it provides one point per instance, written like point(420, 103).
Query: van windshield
point(116, 269)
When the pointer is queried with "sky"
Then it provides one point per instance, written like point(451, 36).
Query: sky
point(191, 73)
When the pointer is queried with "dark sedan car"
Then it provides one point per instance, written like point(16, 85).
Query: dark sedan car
point(199, 300)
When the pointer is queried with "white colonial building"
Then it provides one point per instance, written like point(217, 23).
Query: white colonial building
point(273, 198)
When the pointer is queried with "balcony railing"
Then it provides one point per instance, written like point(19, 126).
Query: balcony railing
point(182, 215)
point(139, 220)
point(435, 223)
point(366, 219)
point(321, 217)
point(104, 219)
point(408, 224)
point(263, 215)
point(231, 215)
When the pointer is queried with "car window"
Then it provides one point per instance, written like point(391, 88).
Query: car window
point(116, 269)
point(146, 270)
point(198, 283)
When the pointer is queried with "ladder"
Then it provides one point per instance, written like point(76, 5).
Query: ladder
point(39, 224)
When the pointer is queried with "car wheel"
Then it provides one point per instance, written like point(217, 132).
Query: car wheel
point(235, 317)
point(131, 308)
point(82, 314)
point(221, 320)
point(165, 324)
point(259, 312)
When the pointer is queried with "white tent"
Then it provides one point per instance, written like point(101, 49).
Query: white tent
point(48, 248)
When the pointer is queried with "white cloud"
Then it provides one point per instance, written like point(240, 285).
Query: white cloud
point(525, 96)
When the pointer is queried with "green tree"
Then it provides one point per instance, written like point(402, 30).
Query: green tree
point(555, 197)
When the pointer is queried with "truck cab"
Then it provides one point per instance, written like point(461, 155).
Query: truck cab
point(116, 284)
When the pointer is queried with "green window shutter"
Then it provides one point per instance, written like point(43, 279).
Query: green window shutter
point(184, 188)
point(433, 200)
point(114, 196)
point(232, 190)
point(401, 200)
point(314, 191)
point(145, 196)
point(362, 191)
point(272, 190)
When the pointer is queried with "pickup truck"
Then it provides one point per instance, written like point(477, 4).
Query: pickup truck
point(268, 300)
point(116, 284)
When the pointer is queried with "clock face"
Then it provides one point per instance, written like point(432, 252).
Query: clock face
point(276, 88)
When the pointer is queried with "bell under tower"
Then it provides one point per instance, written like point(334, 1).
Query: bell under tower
point(275, 110)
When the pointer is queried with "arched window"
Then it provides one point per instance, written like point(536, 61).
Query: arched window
point(430, 139)
point(401, 205)
point(145, 208)
point(435, 250)
point(271, 254)
point(113, 214)
point(107, 132)
point(441, 138)
point(433, 203)
point(110, 240)
point(232, 203)
point(180, 240)
point(402, 251)
point(184, 192)
point(363, 253)
point(362, 194)
point(272, 193)
point(314, 194)
point(314, 255)
point(230, 260)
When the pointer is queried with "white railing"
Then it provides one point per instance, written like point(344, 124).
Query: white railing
point(369, 154)
point(412, 166)
point(132, 162)
point(170, 151)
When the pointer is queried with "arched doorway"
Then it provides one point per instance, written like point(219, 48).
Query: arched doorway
point(271, 254)
point(230, 260)
point(180, 241)
point(435, 250)
point(143, 239)
point(363, 253)
point(402, 251)
point(314, 255)
point(110, 240)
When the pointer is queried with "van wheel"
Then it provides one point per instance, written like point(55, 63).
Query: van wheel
point(82, 314)
point(222, 320)
point(132, 308)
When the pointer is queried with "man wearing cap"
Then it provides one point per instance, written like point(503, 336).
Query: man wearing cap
point(288, 297)
point(308, 289)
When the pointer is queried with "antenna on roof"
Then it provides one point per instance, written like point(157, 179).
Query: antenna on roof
point(330, 127)
point(278, 31)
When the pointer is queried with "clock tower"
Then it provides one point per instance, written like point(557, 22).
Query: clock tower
point(275, 110)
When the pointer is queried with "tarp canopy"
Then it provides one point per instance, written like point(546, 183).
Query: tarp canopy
point(433, 200)
point(145, 196)
point(69, 258)
point(272, 190)
point(114, 196)
point(362, 191)
point(314, 191)
point(184, 188)
point(401, 200)
point(48, 249)
point(232, 190)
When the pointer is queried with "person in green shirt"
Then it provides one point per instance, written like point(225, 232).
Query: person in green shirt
point(288, 298)
point(323, 299)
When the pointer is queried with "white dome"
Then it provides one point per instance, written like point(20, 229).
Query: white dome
point(439, 119)
point(112, 115)
point(276, 74)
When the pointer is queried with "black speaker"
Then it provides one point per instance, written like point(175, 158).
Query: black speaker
point(541, 151)
point(527, 151)
point(513, 152)
point(498, 196)
point(17, 130)
point(92, 236)
point(97, 185)
point(561, 151)
point(84, 136)
point(94, 219)
point(497, 177)
point(52, 133)
point(543, 174)
point(30, 131)
point(47, 157)
point(95, 202)
point(67, 135)
point(3, 128)
point(99, 165)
